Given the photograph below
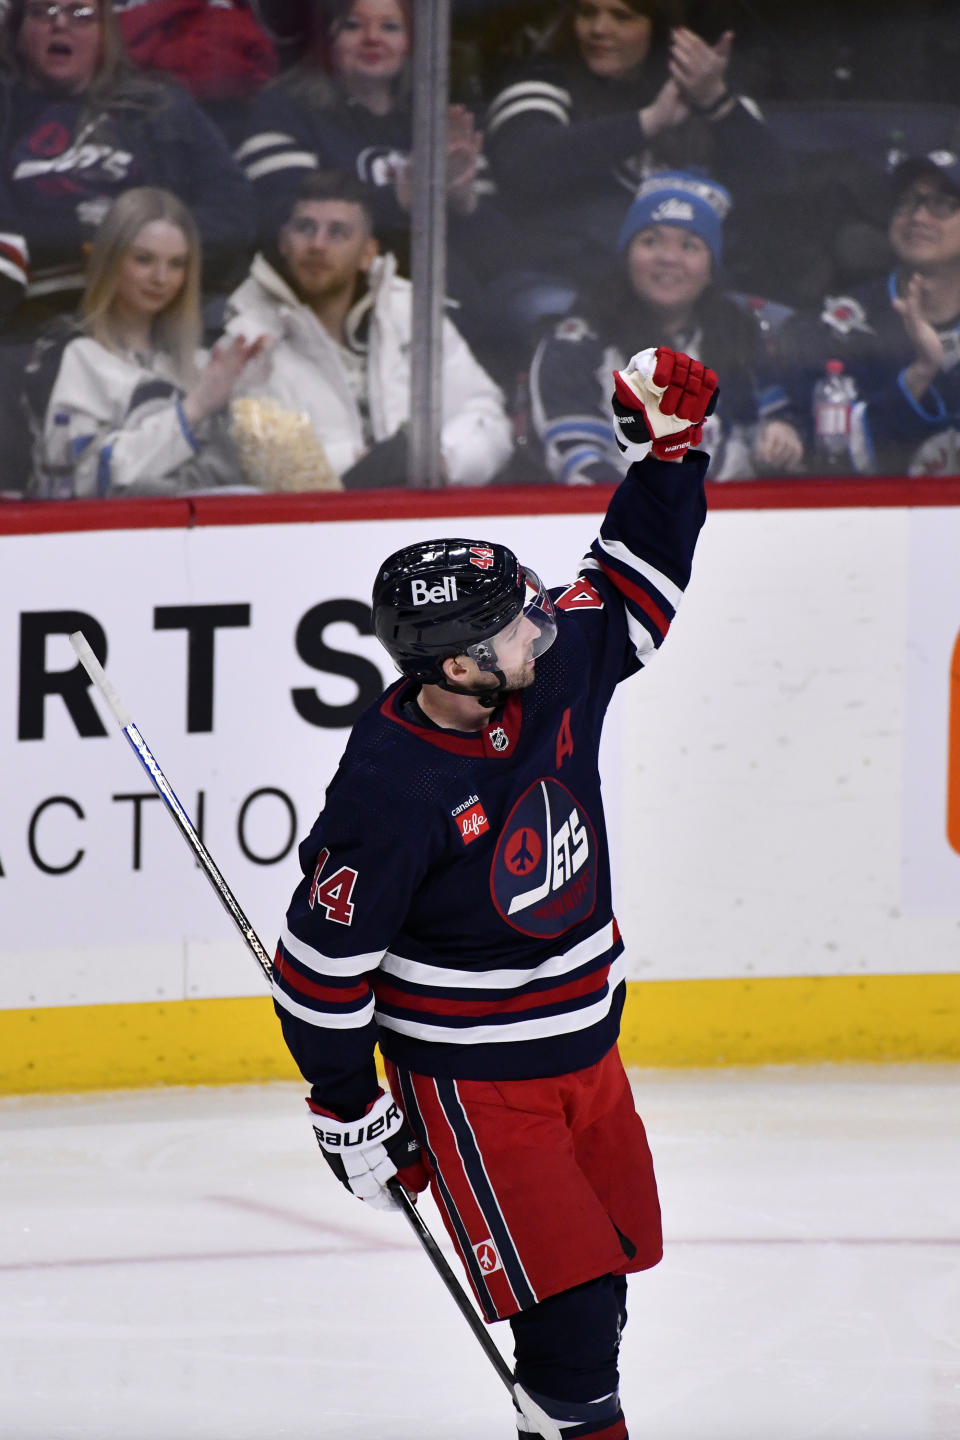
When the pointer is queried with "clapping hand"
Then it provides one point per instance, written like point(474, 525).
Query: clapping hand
point(699, 69)
point(464, 144)
point(667, 109)
point(922, 336)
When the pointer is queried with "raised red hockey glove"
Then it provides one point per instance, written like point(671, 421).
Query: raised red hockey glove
point(364, 1154)
point(660, 402)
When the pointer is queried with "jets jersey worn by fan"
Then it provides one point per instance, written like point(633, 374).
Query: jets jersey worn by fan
point(456, 898)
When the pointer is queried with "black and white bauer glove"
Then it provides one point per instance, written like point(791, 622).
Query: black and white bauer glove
point(364, 1154)
point(660, 402)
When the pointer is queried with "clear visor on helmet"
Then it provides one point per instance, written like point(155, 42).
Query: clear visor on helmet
point(526, 637)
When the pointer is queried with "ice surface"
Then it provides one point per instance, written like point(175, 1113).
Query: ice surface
point(180, 1265)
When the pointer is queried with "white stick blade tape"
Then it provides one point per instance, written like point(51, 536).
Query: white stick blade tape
point(97, 674)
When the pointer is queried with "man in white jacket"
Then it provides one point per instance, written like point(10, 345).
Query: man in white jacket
point(339, 321)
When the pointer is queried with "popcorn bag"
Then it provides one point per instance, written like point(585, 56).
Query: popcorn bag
point(277, 448)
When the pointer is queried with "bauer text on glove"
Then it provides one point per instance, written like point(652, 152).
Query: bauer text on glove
point(364, 1154)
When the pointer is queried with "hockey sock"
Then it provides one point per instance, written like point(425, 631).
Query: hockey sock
point(566, 1357)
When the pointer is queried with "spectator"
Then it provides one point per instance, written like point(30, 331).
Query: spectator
point(899, 335)
point(666, 292)
point(613, 96)
point(134, 408)
point(348, 107)
point(340, 322)
point(78, 125)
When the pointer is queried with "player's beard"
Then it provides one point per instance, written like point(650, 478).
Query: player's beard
point(519, 677)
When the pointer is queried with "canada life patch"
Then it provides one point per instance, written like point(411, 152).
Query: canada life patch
point(543, 878)
point(471, 819)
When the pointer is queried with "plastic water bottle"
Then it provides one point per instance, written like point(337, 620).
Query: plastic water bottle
point(58, 460)
point(833, 398)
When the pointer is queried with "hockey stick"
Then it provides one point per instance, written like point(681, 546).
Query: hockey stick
point(530, 1410)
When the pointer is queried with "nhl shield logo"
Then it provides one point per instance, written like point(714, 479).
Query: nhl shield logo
point(499, 738)
point(487, 1257)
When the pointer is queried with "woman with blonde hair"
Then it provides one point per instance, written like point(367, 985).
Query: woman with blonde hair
point(78, 126)
point(136, 408)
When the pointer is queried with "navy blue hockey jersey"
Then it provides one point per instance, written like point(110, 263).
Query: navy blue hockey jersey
point(455, 902)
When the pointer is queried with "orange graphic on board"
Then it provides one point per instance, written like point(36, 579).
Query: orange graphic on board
point(953, 753)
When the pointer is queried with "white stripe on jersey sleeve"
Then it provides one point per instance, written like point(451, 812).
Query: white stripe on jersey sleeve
point(13, 272)
point(533, 106)
point(527, 95)
point(640, 637)
point(539, 1028)
point(523, 89)
point(325, 1019)
point(417, 973)
point(267, 139)
point(618, 551)
point(328, 964)
point(289, 160)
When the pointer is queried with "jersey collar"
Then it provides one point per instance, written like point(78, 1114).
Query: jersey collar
point(496, 741)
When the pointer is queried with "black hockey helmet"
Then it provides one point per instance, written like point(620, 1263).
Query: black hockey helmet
point(453, 597)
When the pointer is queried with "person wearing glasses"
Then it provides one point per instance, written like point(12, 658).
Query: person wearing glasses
point(898, 335)
point(78, 126)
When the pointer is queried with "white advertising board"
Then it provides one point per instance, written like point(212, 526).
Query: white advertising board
point(754, 773)
point(241, 654)
point(931, 850)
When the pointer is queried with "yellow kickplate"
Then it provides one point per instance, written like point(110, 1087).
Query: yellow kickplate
point(785, 1020)
point(112, 1047)
point(665, 1022)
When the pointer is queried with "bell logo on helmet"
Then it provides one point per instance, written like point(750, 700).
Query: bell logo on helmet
point(423, 594)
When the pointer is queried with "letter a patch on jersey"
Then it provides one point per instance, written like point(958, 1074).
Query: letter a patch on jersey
point(580, 596)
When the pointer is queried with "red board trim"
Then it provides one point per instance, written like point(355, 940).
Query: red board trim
point(19, 517)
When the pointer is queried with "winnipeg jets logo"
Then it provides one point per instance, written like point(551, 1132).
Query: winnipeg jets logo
point(499, 738)
point(672, 211)
point(544, 872)
point(844, 315)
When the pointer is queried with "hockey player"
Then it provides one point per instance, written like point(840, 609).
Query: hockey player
point(456, 906)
